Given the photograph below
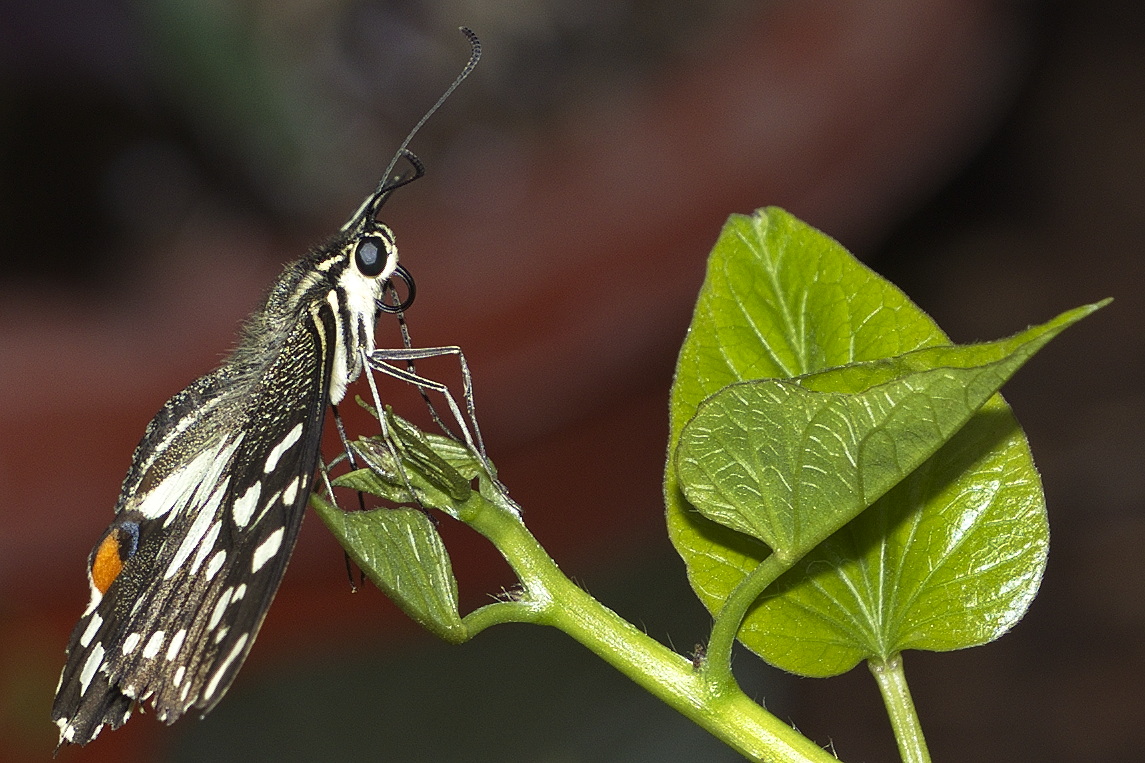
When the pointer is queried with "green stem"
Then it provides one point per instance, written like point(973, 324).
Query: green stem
point(550, 598)
point(891, 679)
point(718, 662)
point(496, 614)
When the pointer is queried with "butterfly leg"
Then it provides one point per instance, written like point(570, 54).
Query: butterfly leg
point(383, 361)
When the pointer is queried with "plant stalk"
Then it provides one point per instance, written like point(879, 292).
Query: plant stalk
point(718, 663)
point(550, 598)
point(891, 679)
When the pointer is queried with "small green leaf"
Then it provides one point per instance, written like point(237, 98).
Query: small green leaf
point(443, 459)
point(439, 469)
point(790, 465)
point(453, 452)
point(401, 552)
point(370, 481)
point(418, 457)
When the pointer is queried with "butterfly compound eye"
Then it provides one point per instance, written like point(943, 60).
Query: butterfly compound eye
point(371, 255)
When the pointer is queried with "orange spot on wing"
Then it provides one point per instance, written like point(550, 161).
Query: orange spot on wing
point(107, 565)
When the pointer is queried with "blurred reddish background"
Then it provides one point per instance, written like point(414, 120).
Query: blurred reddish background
point(160, 161)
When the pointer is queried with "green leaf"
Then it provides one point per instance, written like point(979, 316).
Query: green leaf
point(401, 552)
point(452, 451)
point(950, 557)
point(780, 300)
point(439, 469)
point(790, 462)
point(399, 549)
point(437, 473)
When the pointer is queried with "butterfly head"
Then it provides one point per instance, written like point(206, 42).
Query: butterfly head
point(372, 259)
point(372, 253)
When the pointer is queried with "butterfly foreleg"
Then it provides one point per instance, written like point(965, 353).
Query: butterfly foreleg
point(383, 361)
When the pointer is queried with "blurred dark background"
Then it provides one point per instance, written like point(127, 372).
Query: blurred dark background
point(159, 161)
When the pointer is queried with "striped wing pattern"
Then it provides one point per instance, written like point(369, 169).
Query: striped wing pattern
point(206, 524)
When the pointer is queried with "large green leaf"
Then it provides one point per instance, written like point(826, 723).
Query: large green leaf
point(780, 300)
point(949, 558)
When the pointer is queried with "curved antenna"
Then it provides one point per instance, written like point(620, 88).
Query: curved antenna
point(386, 184)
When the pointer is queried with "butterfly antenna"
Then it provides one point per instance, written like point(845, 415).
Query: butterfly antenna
point(386, 183)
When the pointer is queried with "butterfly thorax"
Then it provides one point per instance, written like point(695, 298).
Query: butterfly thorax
point(330, 276)
point(323, 284)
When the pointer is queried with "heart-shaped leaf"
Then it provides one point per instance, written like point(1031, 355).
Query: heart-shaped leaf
point(950, 558)
point(782, 300)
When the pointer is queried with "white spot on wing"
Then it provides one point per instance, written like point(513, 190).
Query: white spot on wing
point(94, 660)
point(267, 506)
point(244, 507)
point(154, 644)
point(197, 530)
point(267, 549)
point(178, 679)
point(220, 607)
point(290, 492)
point(131, 642)
point(218, 676)
point(96, 595)
point(278, 450)
point(206, 546)
point(176, 488)
point(176, 645)
point(189, 484)
point(216, 564)
point(239, 592)
point(90, 631)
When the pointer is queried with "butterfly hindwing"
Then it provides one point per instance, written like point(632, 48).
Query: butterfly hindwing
point(209, 515)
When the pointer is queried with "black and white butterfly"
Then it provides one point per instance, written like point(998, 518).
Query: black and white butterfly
point(211, 506)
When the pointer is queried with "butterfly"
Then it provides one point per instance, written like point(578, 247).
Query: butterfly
point(210, 509)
